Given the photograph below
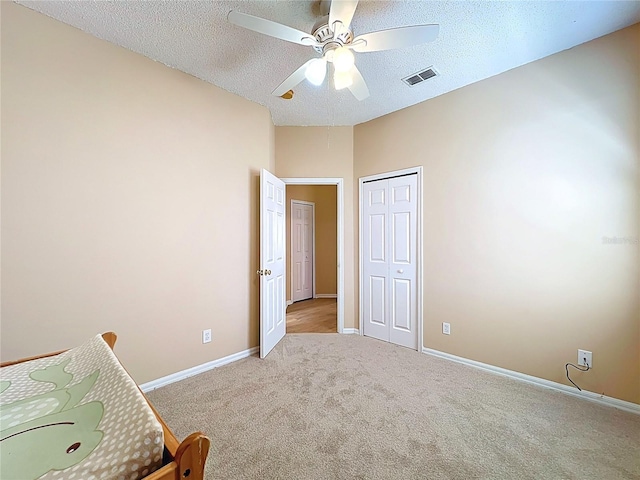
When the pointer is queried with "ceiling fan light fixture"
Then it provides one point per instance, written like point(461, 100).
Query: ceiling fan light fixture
point(329, 55)
point(342, 80)
point(343, 59)
point(316, 71)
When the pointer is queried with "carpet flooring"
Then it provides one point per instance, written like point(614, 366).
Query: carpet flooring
point(329, 406)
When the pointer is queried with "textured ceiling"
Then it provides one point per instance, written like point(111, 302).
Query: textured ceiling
point(477, 40)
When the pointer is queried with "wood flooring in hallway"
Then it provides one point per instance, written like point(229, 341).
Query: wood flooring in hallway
point(318, 315)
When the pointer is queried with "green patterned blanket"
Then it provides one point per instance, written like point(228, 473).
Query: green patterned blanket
point(77, 415)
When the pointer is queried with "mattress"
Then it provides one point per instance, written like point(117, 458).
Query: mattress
point(78, 416)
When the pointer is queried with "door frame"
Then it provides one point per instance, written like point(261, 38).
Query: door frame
point(313, 240)
point(419, 245)
point(339, 183)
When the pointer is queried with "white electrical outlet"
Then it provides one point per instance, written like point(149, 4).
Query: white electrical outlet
point(206, 335)
point(446, 328)
point(585, 358)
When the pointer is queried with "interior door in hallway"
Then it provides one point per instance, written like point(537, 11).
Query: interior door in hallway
point(389, 232)
point(272, 281)
point(302, 249)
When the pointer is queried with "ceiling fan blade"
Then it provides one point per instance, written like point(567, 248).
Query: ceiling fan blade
point(358, 87)
point(292, 80)
point(342, 11)
point(273, 29)
point(395, 38)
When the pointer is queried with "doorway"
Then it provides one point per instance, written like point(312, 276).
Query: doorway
point(326, 305)
point(272, 267)
point(312, 259)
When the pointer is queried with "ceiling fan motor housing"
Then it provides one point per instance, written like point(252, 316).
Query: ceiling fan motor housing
point(323, 33)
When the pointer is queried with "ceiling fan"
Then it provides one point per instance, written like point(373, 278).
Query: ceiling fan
point(334, 40)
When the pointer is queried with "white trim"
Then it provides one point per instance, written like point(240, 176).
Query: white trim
point(313, 235)
point(289, 302)
point(326, 295)
point(352, 331)
point(339, 182)
point(541, 382)
point(419, 245)
point(190, 372)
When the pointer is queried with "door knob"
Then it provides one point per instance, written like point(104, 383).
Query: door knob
point(400, 271)
point(267, 272)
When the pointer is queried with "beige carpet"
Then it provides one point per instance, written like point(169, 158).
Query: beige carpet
point(329, 406)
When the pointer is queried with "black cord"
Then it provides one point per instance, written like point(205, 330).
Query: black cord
point(566, 367)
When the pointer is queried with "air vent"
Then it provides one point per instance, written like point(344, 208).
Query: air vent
point(420, 77)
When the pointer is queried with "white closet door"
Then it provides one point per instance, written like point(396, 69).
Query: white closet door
point(389, 233)
point(375, 260)
point(402, 260)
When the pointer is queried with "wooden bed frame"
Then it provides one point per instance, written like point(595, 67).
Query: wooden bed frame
point(182, 460)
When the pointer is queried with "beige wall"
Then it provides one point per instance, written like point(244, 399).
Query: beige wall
point(524, 173)
point(122, 180)
point(326, 233)
point(324, 152)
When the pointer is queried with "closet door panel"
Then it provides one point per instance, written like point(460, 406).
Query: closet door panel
point(375, 255)
point(402, 235)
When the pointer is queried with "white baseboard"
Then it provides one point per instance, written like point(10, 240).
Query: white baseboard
point(326, 295)
point(190, 372)
point(351, 331)
point(541, 382)
point(289, 302)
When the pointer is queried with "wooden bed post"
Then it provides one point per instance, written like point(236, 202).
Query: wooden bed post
point(192, 455)
point(110, 339)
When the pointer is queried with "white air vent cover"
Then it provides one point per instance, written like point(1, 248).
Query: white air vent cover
point(420, 77)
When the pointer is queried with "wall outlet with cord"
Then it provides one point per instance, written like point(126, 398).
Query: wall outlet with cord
point(585, 358)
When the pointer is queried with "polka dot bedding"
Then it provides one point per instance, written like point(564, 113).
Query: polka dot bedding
point(76, 416)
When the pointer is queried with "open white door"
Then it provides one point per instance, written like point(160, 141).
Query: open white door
point(272, 284)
